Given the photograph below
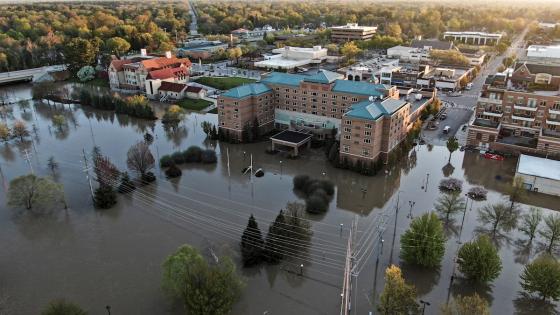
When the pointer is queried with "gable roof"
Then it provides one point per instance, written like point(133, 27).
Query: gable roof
point(323, 76)
point(119, 63)
point(433, 43)
point(247, 90)
point(359, 87)
point(374, 109)
point(194, 89)
point(167, 73)
point(172, 86)
point(161, 62)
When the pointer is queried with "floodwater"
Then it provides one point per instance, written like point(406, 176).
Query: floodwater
point(113, 257)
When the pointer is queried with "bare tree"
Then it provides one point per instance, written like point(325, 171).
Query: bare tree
point(551, 231)
point(140, 158)
point(53, 165)
point(530, 222)
point(30, 191)
point(20, 130)
point(498, 216)
point(449, 204)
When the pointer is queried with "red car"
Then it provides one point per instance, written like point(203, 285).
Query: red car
point(493, 156)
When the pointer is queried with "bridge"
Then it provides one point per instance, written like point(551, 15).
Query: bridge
point(32, 75)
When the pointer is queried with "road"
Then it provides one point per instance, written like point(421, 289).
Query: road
point(193, 27)
point(28, 74)
point(462, 112)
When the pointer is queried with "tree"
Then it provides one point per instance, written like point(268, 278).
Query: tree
point(104, 197)
point(453, 57)
point(79, 52)
point(30, 191)
point(206, 127)
point(61, 307)
point(59, 121)
point(423, 243)
point(106, 172)
point(52, 165)
point(140, 158)
point(117, 45)
point(542, 276)
point(173, 115)
point(498, 216)
point(516, 191)
point(19, 129)
point(252, 244)
point(394, 30)
point(449, 204)
point(350, 50)
point(234, 54)
point(478, 260)
point(126, 184)
point(467, 305)
point(275, 248)
point(551, 231)
point(86, 73)
point(4, 132)
point(202, 288)
point(397, 296)
point(452, 146)
point(530, 222)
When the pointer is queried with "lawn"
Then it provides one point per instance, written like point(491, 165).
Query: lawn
point(223, 83)
point(192, 104)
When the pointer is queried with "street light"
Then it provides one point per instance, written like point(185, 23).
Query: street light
point(108, 308)
point(424, 303)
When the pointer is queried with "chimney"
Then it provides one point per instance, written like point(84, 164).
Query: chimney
point(143, 52)
point(168, 54)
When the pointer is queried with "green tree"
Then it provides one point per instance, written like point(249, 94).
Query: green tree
point(202, 288)
point(61, 307)
point(423, 243)
point(394, 30)
point(350, 50)
point(551, 231)
point(397, 298)
point(19, 129)
point(117, 45)
point(30, 192)
point(59, 121)
point(4, 132)
point(530, 222)
point(452, 57)
point(275, 248)
point(252, 244)
point(498, 216)
point(86, 73)
point(467, 305)
point(542, 276)
point(105, 197)
point(452, 146)
point(449, 204)
point(478, 260)
point(79, 52)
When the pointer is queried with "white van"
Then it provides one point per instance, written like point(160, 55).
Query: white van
point(469, 86)
point(446, 129)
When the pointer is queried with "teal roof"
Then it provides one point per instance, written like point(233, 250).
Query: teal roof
point(359, 87)
point(322, 76)
point(284, 78)
point(372, 110)
point(247, 90)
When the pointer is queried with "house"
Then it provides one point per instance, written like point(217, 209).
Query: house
point(172, 90)
point(155, 78)
point(116, 73)
point(195, 92)
point(539, 174)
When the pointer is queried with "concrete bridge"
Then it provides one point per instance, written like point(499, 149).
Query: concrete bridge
point(32, 75)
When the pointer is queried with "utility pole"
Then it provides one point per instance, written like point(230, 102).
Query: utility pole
point(395, 228)
point(28, 159)
point(86, 170)
point(346, 294)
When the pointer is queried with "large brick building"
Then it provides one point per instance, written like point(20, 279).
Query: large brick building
point(372, 118)
point(519, 113)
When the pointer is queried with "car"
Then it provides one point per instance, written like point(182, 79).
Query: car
point(446, 129)
point(464, 128)
point(443, 116)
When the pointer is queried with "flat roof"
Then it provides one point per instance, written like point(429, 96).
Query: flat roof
point(291, 136)
point(540, 167)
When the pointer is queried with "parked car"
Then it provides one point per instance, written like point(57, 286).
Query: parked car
point(443, 116)
point(446, 129)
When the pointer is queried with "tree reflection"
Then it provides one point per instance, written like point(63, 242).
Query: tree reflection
point(525, 304)
point(175, 133)
point(465, 287)
point(423, 279)
point(448, 170)
point(522, 251)
point(7, 152)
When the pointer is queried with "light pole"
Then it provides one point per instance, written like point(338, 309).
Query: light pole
point(424, 303)
point(108, 308)
point(463, 221)
point(280, 167)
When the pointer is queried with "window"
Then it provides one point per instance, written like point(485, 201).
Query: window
point(366, 140)
point(367, 133)
point(368, 126)
point(365, 152)
point(478, 136)
point(344, 98)
point(324, 95)
point(346, 148)
point(347, 129)
point(491, 138)
point(348, 122)
point(354, 99)
point(347, 137)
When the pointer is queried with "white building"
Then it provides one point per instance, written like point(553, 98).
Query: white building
point(369, 70)
point(540, 51)
point(352, 31)
point(547, 25)
point(539, 175)
point(291, 57)
point(474, 38)
point(411, 54)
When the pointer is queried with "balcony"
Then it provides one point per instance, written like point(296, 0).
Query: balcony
point(553, 122)
point(493, 113)
point(495, 101)
point(524, 139)
point(553, 111)
point(522, 117)
point(485, 123)
point(524, 107)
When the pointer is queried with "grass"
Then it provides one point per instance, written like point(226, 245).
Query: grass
point(192, 104)
point(223, 83)
point(213, 111)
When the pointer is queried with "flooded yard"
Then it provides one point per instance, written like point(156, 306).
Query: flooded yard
point(113, 257)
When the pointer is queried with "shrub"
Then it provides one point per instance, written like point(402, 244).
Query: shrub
point(300, 182)
point(173, 171)
point(317, 203)
point(451, 185)
point(193, 154)
point(479, 261)
point(178, 158)
point(126, 184)
point(148, 177)
point(165, 161)
point(478, 193)
point(209, 156)
point(105, 197)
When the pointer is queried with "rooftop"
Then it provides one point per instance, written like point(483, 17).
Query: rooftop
point(323, 76)
point(372, 109)
point(432, 44)
point(172, 86)
point(536, 166)
point(291, 136)
point(354, 26)
point(360, 87)
point(475, 34)
point(251, 89)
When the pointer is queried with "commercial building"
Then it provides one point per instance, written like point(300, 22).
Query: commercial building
point(429, 44)
point(443, 78)
point(474, 38)
point(135, 72)
point(548, 25)
point(201, 48)
point(519, 113)
point(539, 175)
point(372, 118)
point(352, 31)
point(409, 54)
point(254, 35)
point(288, 58)
point(370, 70)
point(543, 52)
point(476, 56)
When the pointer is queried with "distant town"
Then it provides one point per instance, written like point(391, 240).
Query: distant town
point(273, 157)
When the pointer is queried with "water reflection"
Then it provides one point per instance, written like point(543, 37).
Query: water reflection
point(529, 305)
point(423, 279)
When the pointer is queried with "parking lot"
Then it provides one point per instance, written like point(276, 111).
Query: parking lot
point(456, 117)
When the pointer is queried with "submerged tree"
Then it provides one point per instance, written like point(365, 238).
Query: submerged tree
point(19, 129)
point(467, 305)
point(4, 132)
point(423, 244)
point(397, 296)
point(30, 192)
point(52, 164)
point(140, 159)
point(126, 184)
point(542, 276)
point(449, 204)
point(62, 307)
point(551, 231)
point(499, 216)
point(530, 222)
point(252, 244)
point(275, 246)
point(452, 146)
point(479, 261)
point(516, 191)
point(203, 288)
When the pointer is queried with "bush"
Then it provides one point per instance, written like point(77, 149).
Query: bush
point(178, 158)
point(478, 193)
point(173, 171)
point(193, 154)
point(149, 177)
point(105, 197)
point(126, 184)
point(451, 185)
point(165, 161)
point(300, 182)
point(317, 203)
point(209, 156)
point(86, 73)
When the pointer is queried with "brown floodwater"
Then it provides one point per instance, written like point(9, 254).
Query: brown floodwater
point(113, 257)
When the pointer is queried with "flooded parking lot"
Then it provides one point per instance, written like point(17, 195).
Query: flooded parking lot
point(113, 257)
